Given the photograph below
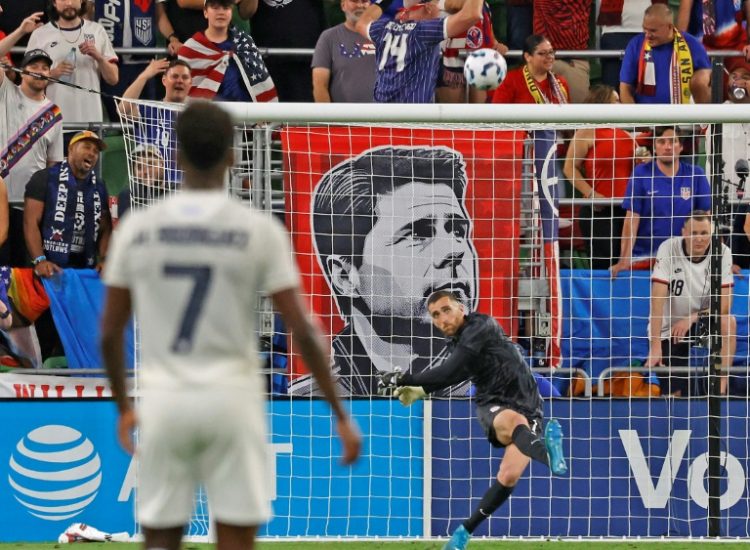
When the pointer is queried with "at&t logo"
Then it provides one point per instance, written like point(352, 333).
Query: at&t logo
point(55, 472)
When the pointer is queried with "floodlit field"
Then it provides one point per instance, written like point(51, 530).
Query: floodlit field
point(425, 545)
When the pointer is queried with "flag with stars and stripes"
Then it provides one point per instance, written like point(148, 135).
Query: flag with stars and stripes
point(208, 63)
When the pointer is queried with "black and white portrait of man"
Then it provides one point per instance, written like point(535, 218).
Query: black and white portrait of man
point(390, 227)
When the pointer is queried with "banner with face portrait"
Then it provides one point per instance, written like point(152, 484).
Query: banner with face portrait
point(382, 217)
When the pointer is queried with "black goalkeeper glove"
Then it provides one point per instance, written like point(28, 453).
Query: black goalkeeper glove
point(388, 381)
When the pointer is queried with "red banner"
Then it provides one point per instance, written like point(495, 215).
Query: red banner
point(382, 217)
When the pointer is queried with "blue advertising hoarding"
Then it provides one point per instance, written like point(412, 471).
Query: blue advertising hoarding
point(60, 463)
point(637, 468)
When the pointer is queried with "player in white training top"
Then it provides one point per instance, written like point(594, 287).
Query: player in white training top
point(681, 295)
point(192, 268)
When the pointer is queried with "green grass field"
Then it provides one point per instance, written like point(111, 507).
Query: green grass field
point(414, 545)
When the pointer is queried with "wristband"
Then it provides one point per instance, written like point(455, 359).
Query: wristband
point(39, 259)
point(171, 36)
point(5, 314)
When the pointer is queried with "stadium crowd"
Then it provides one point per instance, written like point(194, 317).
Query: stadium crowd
point(385, 51)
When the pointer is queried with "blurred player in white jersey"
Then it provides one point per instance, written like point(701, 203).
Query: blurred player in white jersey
point(681, 300)
point(191, 268)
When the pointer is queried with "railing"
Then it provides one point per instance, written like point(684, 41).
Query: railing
point(606, 374)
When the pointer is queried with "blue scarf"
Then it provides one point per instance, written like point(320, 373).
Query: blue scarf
point(59, 220)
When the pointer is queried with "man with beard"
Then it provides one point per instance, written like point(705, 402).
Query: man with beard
point(343, 65)
point(660, 195)
point(390, 228)
point(30, 132)
point(154, 124)
point(81, 52)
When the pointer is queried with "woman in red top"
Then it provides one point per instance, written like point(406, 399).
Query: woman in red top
point(534, 82)
point(598, 164)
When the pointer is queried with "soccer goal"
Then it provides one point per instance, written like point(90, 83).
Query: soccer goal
point(518, 210)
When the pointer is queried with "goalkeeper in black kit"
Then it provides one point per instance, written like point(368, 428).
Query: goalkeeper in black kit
point(509, 406)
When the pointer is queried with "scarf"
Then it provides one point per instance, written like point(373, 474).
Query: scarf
point(209, 63)
point(25, 139)
point(59, 219)
point(610, 13)
point(680, 71)
point(558, 92)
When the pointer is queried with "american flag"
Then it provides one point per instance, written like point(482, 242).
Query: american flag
point(545, 168)
point(208, 63)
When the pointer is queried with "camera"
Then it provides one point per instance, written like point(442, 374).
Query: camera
point(699, 336)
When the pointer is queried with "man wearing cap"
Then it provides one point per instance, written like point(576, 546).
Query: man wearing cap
point(30, 132)
point(226, 63)
point(81, 52)
point(66, 216)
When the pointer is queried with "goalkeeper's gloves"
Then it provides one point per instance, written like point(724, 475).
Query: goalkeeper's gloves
point(388, 381)
point(408, 395)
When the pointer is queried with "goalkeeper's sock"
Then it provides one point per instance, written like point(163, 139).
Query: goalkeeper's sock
point(491, 501)
point(530, 444)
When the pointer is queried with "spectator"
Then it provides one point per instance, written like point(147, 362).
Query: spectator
point(660, 195)
point(663, 65)
point(343, 65)
point(599, 163)
point(30, 133)
point(225, 62)
point(81, 52)
point(720, 24)
point(289, 24)
point(178, 20)
point(619, 22)
point(680, 303)
point(148, 186)
point(534, 82)
point(128, 25)
point(407, 74)
point(155, 124)
point(66, 220)
point(451, 87)
point(566, 24)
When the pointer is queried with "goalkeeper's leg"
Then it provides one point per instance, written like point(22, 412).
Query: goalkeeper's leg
point(512, 466)
point(525, 436)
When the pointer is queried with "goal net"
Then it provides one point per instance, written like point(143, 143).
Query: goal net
point(547, 218)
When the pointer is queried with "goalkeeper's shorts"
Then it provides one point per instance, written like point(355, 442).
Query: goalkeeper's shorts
point(486, 415)
point(216, 439)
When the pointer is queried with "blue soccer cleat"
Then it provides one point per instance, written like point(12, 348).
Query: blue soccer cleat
point(553, 441)
point(459, 539)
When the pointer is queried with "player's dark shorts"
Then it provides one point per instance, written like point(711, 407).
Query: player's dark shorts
point(486, 415)
point(451, 77)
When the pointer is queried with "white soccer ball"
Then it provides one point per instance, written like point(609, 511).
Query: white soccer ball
point(485, 69)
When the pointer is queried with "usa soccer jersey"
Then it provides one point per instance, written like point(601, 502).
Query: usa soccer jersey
point(407, 56)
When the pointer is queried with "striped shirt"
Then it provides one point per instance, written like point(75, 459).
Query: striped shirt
point(407, 56)
point(565, 24)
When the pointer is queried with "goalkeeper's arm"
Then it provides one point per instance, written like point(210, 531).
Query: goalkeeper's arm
point(451, 372)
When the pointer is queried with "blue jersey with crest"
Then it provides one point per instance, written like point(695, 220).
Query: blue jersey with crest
point(407, 58)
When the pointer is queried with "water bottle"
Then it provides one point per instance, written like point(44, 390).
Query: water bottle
point(71, 59)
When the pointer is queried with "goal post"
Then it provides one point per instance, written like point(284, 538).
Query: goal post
point(386, 203)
